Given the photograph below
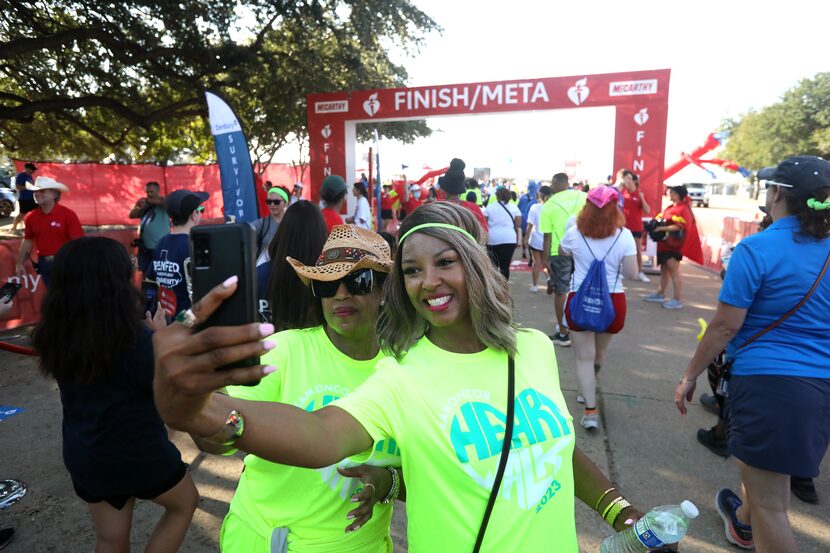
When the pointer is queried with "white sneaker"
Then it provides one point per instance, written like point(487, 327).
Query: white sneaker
point(590, 422)
point(534, 289)
point(579, 398)
point(643, 277)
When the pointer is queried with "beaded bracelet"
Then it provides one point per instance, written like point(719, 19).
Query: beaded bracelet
point(396, 486)
point(614, 509)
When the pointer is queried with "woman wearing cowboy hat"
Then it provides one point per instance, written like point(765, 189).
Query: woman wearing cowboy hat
point(310, 508)
point(444, 394)
point(48, 227)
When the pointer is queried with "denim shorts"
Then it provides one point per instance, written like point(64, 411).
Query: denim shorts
point(779, 423)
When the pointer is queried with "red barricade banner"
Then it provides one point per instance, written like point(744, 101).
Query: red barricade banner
point(104, 194)
point(27, 302)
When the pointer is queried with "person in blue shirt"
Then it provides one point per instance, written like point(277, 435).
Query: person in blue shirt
point(170, 268)
point(25, 197)
point(779, 380)
point(527, 200)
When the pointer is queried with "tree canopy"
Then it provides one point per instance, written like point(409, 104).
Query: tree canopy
point(797, 124)
point(92, 79)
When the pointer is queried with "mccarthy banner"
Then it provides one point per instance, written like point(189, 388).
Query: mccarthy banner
point(235, 169)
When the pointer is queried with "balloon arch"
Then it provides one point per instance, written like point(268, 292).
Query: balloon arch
point(640, 99)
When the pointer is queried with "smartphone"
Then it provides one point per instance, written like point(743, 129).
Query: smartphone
point(218, 252)
point(8, 290)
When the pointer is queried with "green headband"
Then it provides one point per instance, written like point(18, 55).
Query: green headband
point(436, 225)
point(813, 203)
point(282, 193)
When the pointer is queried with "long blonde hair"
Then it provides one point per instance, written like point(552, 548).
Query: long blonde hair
point(491, 307)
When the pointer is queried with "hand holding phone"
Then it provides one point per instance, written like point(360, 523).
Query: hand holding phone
point(8, 290)
point(217, 253)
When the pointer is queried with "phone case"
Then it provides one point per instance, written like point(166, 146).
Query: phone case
point(229, 252)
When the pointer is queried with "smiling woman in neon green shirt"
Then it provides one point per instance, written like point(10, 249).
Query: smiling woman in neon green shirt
point(284, 508)
point(447, 325)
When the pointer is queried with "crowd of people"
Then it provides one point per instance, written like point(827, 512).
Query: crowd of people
point(392, 365)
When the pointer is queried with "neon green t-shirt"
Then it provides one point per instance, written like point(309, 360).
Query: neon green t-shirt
point(475, 191)
point(447, 412)
point(556, 212)
point(312, 503)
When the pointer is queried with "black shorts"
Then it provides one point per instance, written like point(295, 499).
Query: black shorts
point(534, 249)
point(664, 256)
point(637, 233)
point(779, 423)
point(385, 213)
point(27, 205)
point(151, 491)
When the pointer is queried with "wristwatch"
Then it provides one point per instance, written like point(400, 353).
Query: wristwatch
point(231, 432)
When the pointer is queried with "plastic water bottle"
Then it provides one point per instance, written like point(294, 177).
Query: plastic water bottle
point(660, 526)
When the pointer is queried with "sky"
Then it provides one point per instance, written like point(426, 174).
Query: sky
point(726, 57)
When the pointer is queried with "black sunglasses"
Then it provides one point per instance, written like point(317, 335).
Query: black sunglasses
point(358, 283)
point(273, 202)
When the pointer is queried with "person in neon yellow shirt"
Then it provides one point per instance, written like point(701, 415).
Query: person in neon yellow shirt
point(561, 206)
point(447, 325)
point(309, 508)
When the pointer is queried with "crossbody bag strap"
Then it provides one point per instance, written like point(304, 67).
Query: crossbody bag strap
point(504, 207)
point(787, 315)
point(505, 452)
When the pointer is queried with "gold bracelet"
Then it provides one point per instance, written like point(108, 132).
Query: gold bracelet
point(606, 492)
point(614, 509)
point(683, 380)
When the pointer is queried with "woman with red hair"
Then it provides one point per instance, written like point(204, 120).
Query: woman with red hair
point(599, 234)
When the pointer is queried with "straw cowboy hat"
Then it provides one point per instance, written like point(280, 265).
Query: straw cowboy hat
point(347, 249)
point(47, 183)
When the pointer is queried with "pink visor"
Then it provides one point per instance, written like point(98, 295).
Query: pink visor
point(601, 195)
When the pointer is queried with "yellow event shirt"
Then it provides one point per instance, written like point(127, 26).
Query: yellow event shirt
point(556, 212)
point(447, 412)
point(312, 503)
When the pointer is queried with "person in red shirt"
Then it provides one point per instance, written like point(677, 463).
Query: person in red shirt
point(678, 217)
point(634, 207)
point(48, 227)
point(389, 203)
point(412, 200)
point(333, 194)
point(454, 185)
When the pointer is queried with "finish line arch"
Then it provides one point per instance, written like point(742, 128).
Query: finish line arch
point(640, 99)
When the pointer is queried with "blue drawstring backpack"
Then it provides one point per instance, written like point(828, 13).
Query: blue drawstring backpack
point(591, 306)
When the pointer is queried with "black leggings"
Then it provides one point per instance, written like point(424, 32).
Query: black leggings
point(502, 255)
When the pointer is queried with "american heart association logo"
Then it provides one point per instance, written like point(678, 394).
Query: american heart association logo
point(372, 105)
point(326, 132)
point(641, 117)
point(579, 92)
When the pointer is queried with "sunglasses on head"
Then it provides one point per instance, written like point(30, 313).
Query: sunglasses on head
point(769, 183)
point(273, 202)
point(358, 283)
point(199, 209)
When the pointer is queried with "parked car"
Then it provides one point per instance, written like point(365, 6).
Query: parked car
point(7, 199)
point(699, 193)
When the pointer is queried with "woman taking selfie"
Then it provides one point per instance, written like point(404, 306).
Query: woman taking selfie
point(460, 375)
point(317, 366)
point(91, 340)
